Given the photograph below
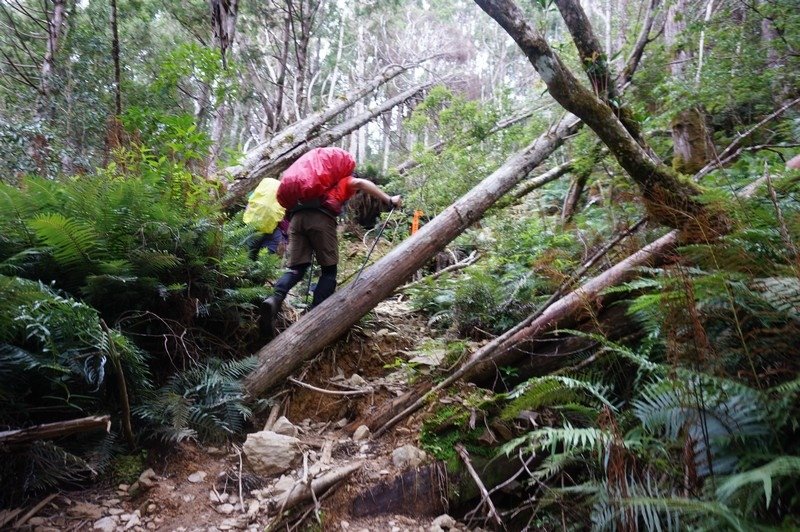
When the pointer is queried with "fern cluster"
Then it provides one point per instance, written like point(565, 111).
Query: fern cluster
point(131, 273)
point(696, 424)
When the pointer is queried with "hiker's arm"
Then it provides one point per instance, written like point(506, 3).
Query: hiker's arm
point(372, 189)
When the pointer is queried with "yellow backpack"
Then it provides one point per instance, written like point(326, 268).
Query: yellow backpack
point(263, 211)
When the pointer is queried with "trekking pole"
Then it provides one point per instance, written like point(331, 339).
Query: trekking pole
point(310, 275)
point(374, 243)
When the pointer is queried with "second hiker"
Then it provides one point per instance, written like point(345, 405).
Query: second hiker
point(313, 190)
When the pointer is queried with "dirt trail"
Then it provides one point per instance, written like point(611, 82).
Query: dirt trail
point(200, 488)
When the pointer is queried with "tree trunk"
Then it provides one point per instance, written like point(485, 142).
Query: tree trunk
point(257, 161)
point(692, 148)
point(223, 21)
point(55, 27)
point(55, 430)
point(312, 332)
point(281, 161)
point(669, 200)
point(115, 55)
point(280, 82)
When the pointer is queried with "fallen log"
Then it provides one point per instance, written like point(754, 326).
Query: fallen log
point(303, 492)
point(249, 172)
point(503, 349)
point(315, 330)
point(58, 429)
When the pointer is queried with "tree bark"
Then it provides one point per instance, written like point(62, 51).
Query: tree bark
point(669, 200)
point(223, 22)
point(55, 27)
point(312, 332)
point(55, 430)
point(115, 55)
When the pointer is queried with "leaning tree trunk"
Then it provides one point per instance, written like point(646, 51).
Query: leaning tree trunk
point(311, 333)
point(669, 200)
point(251, 170)
point(274, 165)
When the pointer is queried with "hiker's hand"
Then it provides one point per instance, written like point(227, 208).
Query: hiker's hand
point(396, 201)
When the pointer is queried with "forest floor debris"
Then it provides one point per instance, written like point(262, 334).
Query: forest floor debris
point(199, 488)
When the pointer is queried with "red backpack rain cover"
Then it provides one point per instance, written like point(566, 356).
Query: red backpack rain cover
point(314, 175)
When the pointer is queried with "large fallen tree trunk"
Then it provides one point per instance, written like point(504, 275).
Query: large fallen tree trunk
point(255, 164)
point(311, 333)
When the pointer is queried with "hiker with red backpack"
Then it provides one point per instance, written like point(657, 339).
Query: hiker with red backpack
point(313, 191)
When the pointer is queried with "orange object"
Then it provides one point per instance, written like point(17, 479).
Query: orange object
point(415, 222)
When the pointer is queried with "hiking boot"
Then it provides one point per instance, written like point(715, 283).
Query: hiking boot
point(269, 308)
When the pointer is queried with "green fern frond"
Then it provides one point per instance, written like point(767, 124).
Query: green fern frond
point(552, 390)
point(779, 467)
point(569, 438)
point(150, 262)
point(681, 506)
point(73, 243)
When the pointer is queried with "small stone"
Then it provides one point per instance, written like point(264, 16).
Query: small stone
point(36, 521)
point(253, 508)
point(126, 517)
point(268, 453)
point(115, 511)
point(285, 427)
point(106, 524)
point(233, 499)
point(283, 485)
point(151, 526)
point(148, 479)
point(341, 423)
point(383, 472)
point(408, 456)
point(361, 433)
point(364, 448)
point(187, 498)
point(217, 497)
point(158, 520)
point(151, 508)
point(85, 510)
point(345, 525)
point(123, 487)
point(132, 523)
point(197, 476)
point(395, 529)
point(444, 521)
point(224, 509)
point(111, 502)
point(357, 381)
